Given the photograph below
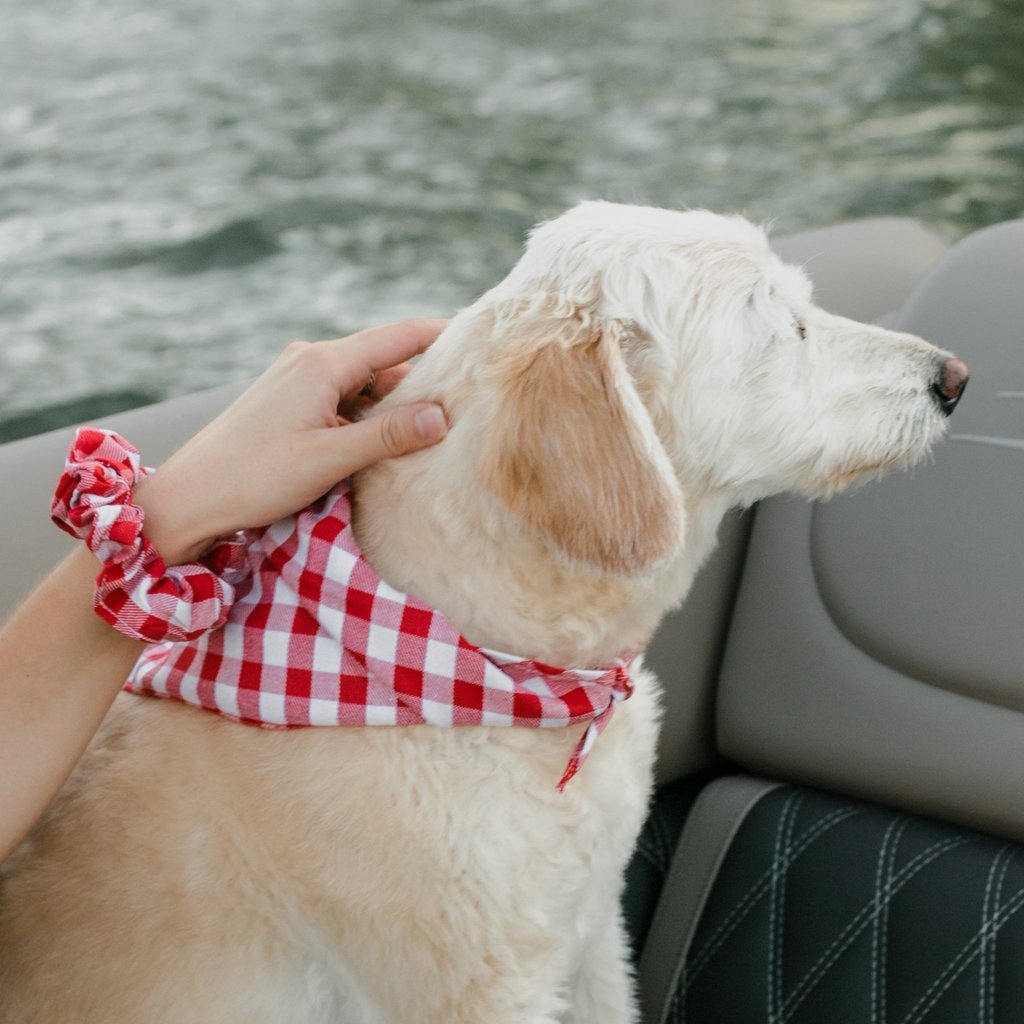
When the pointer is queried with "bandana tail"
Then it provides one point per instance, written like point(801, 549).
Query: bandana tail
point(579, 755)
point(621, 689)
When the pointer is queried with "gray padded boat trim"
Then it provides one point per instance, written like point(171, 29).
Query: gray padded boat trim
point(864, 269)
point(878, 642)
point(716, 817)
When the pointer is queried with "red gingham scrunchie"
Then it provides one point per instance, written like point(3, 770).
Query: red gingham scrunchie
point(135, 590)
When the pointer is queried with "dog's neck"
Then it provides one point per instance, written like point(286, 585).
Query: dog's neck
point(429, 527)
point(429, 530)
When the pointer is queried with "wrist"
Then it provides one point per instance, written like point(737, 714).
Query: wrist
point(136, 590)
point(172, 524)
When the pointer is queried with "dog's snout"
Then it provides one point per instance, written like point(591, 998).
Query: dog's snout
point(950, 384)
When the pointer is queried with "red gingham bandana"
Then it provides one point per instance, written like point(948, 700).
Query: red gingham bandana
point(316, 637)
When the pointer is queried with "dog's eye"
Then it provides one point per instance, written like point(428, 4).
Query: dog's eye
point(801, 329)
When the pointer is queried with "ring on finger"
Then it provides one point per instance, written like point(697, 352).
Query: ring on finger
point(366, 391)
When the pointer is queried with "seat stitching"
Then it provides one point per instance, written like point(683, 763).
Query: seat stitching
point(986, 922)
point(674, 993)
point(987, 1010)
point(995, 936)
point(753, 895)
point(783, 850)
point(953, 969)
point(880, 931)
point(860, 921)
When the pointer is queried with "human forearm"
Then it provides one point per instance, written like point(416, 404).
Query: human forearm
point(60, 668)
point(277, 448)
point(61, 665)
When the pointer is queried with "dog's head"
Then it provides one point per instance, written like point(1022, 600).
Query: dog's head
point(637, 362)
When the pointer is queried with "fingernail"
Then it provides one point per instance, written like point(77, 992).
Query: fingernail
point(430, 423)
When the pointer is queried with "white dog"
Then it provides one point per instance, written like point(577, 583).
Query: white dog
point(637, 374)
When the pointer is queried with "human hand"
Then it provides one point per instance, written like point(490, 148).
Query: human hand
point(289, 438)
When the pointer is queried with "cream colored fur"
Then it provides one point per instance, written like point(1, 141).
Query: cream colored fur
point(639, 372)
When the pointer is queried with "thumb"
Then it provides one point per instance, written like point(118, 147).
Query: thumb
point(399, 431)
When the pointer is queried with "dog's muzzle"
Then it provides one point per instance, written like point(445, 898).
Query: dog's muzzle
point(948, 389)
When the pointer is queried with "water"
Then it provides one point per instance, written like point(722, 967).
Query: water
point(185, 187)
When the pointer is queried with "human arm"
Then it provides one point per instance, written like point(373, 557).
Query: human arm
point(272, 452)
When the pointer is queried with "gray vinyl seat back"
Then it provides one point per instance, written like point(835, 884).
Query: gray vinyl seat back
point(877, 645)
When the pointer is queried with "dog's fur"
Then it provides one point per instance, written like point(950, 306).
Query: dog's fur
point(638, 373)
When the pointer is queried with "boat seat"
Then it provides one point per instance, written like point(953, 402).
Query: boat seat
point(861, 862)
point(808, 907)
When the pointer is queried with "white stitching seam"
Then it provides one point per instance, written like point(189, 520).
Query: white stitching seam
point(960, 962)
point(860, 921)
point(757, 890)
point(992, 945)
point(777, 906)
point(987, 954)
point(985, 926)
point(678, 982)
point(880, 932)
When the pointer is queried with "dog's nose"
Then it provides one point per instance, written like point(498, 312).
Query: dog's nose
point(953, 376)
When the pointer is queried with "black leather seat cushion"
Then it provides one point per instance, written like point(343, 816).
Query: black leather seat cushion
point(825, 910)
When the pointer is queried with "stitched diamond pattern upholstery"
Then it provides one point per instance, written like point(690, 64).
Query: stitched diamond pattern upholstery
point(831, 911)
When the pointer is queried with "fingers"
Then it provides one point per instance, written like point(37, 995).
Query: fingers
point(399, 431)
point(379, 349)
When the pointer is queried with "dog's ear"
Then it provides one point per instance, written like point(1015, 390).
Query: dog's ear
point(571, 450)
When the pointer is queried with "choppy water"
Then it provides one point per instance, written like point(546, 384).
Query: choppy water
point(186, 186)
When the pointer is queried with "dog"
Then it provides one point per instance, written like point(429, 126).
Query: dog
point(638, 373)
